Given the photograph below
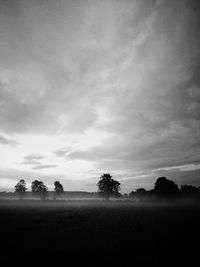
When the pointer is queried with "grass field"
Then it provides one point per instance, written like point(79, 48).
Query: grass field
point(98, 233)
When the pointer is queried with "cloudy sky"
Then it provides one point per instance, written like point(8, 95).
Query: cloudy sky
point(93, 86)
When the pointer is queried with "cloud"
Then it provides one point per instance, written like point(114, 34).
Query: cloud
point(7, 141)
point(36, 161)
point(44, 166)
point(33, 159)
point(61, 152)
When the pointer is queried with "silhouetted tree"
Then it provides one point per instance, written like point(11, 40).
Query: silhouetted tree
point(107, 186)
point(139, 194)
point(189, 189)
point(38, 188)
point(58, 189)
point(132, 194)
point(166, 187)
point(141, 191)
point(20, 188)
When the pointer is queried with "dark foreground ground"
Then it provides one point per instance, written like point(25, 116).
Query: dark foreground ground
point(90, 233)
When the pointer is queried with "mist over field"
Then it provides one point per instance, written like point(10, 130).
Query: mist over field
point(94, 232)
point(93, 228)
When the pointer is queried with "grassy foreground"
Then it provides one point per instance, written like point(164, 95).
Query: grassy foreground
point(97, 233)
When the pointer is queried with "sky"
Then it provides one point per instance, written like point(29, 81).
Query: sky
point(99, 86)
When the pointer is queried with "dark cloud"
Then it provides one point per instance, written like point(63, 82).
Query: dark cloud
point(44, 166)
point(36, 161)
point(7, 141)
point(33, 159)
point(61, 152)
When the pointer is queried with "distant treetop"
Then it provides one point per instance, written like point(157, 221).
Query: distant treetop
point(58, 189)
point(107, 186)
point(164, 186)
point(20, 188)
point(39, 188)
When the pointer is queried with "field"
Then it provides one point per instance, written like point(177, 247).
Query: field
point(97, 233)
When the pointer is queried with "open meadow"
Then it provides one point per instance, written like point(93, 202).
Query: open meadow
point(99, 233)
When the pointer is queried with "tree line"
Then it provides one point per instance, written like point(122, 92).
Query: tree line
point(108, 187)
point(168, 189)
point(38, 188)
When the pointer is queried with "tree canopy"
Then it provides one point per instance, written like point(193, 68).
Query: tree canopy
point(107, 186)
point(20, 188)
point(39, 188)
point(164, 186)
point(58, 189)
